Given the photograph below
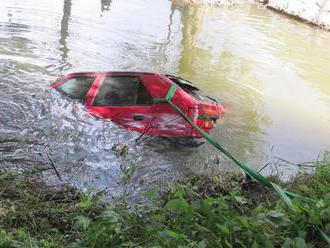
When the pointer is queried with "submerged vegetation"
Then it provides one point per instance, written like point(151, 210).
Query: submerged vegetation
point(194, 212)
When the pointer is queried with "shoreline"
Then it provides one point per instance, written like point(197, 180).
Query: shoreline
point(312, 13)
point(219, 3)
point(195, 211)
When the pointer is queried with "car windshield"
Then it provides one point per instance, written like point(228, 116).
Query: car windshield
point(190, 88)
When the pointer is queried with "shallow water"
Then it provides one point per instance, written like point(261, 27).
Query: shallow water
point(272, 73)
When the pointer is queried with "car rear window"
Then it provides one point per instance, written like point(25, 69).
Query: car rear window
point(76, 87)
point(190, 88)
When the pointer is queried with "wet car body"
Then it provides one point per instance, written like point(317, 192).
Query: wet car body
point(127, 99)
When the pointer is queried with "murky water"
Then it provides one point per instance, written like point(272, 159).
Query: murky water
point(271, 72)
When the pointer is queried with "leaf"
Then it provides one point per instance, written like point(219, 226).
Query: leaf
point(179, 193)
point(287, 243)
point(255, 245)
point(6, 240)
point(320, 204)
point(21, 234)
point(243, 221)
point(229, 245)
point(152, 193)
point(296, 243)
point(282, 194)
point(172, 234)
point(203, 228)
point(304, 188)
point(276, 214)
point(268, 243)
point(159, 217)
point(111, 216)
point(178, 205)
point(278, 218)
point(325, 236)
point(241, 200)
point(300, 243)
point(240, 243)
point(82, 222)
point(223, 228)
point(85, 204)
point(201, 244)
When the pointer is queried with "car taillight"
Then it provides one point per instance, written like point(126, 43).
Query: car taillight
point(205, 111)
point(208, 111)
point(205, 115)
point(208, 124)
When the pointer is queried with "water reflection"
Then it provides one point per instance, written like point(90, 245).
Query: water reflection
point(65, 30)
point(245, 121)
point(105, 5)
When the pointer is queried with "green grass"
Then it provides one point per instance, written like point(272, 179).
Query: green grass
point(35, 215)
point(194, 212)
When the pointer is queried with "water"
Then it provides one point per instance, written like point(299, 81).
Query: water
point(270, 71)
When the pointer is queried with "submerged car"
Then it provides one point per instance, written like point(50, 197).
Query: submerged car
point(127, 98)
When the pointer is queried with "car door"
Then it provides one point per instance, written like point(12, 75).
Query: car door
point(124, 99)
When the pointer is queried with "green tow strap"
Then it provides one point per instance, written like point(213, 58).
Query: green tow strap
point(285, 195)
point(256, 175)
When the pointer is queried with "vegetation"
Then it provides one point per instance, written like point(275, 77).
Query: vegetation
point(35, 215)
point(194, 212)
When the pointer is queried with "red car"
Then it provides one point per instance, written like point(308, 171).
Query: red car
point(127, 99)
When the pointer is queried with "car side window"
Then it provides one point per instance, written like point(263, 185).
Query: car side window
point(76, 87)
point(121, 91)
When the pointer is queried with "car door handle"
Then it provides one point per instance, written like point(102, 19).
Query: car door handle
point(138, 117)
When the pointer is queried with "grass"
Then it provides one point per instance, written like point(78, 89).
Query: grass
point(35, 215)
point(193, 212)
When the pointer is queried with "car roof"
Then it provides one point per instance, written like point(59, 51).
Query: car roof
point(105, 72)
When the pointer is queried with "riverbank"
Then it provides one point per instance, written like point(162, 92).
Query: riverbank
point(218, 2)
point(194, 212)
point(315, 12)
